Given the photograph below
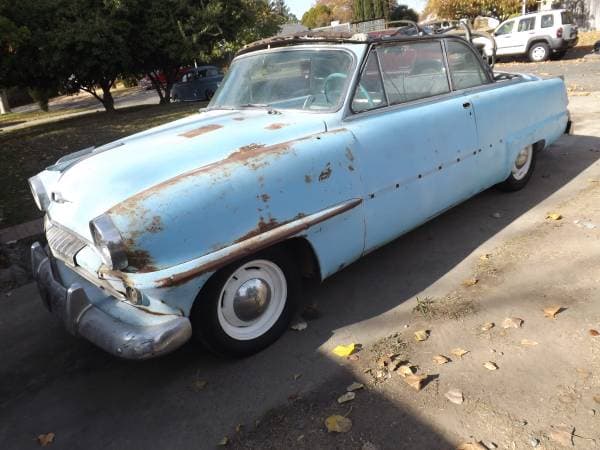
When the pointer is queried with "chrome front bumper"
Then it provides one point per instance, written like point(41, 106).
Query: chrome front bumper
point(81, 318)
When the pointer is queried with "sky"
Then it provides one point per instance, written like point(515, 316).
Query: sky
point(299, 7)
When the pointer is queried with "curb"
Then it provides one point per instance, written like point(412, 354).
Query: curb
point(21, 231)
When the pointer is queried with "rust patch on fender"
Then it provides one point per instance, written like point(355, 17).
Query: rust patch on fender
point(251, 155)
point(248, 247)
point(326, 173)
point(349, 154)
point(155, 226)
point(239, 119)
point(202, 130)
point(276, 126)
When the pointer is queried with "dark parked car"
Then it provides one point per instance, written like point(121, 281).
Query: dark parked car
point(199, 83)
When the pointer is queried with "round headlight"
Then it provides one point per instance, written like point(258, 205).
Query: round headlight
point(40, 196)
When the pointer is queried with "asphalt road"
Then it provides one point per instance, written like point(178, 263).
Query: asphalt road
point(53, 382)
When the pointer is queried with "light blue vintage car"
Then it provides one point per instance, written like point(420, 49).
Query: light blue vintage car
point(314, 151)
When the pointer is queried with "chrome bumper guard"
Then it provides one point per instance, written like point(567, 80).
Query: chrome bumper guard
point(81, 318)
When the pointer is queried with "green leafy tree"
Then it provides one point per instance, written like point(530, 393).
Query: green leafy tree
point(469, 9)
point(403, 12)
point(318, 16)
point(357, 11)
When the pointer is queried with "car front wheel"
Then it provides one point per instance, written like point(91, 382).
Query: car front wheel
point(246, 306)
point(539, 52)
point(521, 171)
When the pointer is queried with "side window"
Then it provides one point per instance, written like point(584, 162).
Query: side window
point(465, 66)
point(527, 24)
point(369, 91)
point(413, 70)
point(506, 28)
point(212, 73)
point(185, 78)
point(547, 21)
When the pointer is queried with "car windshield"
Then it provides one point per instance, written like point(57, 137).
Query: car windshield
point(307, 79)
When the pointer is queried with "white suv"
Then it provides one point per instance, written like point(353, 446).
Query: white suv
point(539, 35)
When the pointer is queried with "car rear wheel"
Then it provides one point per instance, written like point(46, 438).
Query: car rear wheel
point(521, 171)
point(539, 52)
point(246, 306)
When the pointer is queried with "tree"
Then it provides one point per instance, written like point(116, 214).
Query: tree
point(90, 46)
point(279, 8)
point(372, 9)
point(340, 9)
point(318, 16)
point(469, 9)
point(357, 11)
point(403, 12)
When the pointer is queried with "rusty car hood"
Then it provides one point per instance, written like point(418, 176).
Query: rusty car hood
point(115, 172)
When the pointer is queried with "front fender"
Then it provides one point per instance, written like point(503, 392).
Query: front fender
point(254, 190)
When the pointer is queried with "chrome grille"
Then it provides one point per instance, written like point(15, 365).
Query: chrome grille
point(63, 243)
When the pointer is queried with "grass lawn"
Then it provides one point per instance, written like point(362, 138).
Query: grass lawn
point(27, 151)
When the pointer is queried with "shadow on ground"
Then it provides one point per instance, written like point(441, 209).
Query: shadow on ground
point(50, 381)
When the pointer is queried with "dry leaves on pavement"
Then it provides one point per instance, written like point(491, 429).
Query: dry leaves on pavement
point(460, 352)
point(415, 381)
point(347, 397)
point(552, 311)
point(45, 439)
point(355, 386)
point(470, 282)
point(554, 216)
point(344, 350)
point(440, 359)
point(594, 333)
point(563, 434)
point(405, 370)
point(528, 343)
point(487, 326)
point(489, 365)
point(421, 335)
point(512, 322)
point(338, 424)
point(455, 396)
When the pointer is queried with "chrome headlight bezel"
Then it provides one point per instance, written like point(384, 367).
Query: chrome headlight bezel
point(108, 242)
point(39, 193)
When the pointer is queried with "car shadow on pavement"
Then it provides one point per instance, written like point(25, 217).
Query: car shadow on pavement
point(50, 381)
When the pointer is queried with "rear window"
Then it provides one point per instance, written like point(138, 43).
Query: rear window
point(567, 18)
point(547, 21)
point(527, 24)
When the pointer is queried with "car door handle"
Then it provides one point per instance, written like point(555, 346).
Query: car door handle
point(466, 105)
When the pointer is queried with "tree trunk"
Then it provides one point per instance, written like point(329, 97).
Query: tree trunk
point(107, 99)
point(4, 106)
point(157, 87)
point(168, 87)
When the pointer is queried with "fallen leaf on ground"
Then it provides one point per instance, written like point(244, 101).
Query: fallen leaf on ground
point(199, 385)
point(512, 322)
point(528, 342)
point(297, 376)
point(489, 365)
point(487, 326)
point(348, 396)
point(485, 257)
point(415, 381)
point(596, 398)
point(455, 396)
point(45, 439)
point(421, 335)
point(554, 216)
point(563, 434)
point(344, 350)
point(299, 326)
point(460, 352)
point(355, 386)
point(338, 424)
point(594, 333)
point(552, 311)
point(405, 370)
point(440, 359)
point(353, 357)
point(470, 282)
point(223, 442)
point(471, 446)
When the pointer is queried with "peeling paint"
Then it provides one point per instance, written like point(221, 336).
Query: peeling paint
point(326, 173)
point(276, 126)
point(202, 130)
point(349, 154)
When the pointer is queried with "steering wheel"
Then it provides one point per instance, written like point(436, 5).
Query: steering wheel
point(343, 76)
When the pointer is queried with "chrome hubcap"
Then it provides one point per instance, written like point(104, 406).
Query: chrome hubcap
point(522, 163)
point(251, 299)
point(539, 53)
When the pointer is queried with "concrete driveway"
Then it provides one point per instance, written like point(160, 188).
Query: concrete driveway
point(53, 382)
